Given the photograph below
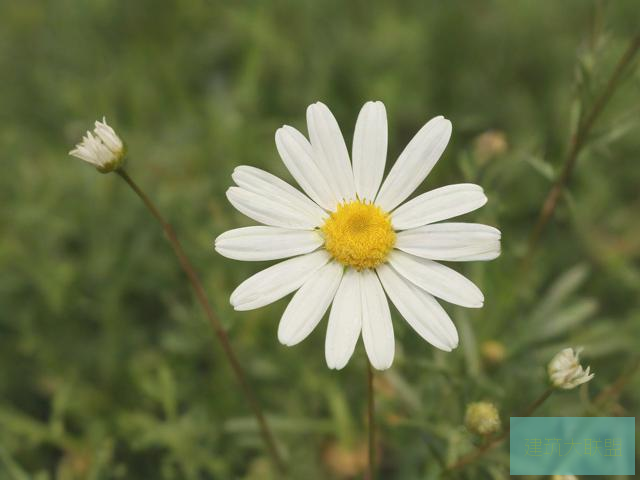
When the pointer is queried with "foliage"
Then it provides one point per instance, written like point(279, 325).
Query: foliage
point(109, 369)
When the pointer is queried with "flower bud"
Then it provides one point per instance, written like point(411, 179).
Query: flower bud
point(482, 418)
point(345, 462)
point(102, 148)
point(493, 352)
point(565, 370)
point(488, 145)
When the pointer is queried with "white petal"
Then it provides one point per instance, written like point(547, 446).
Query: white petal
point(308, 305)
point(268, 185)
point(273, 210)
point(370, 149)
point(82, 153)
point(419, 309)
point(455, 242)
point(377, 329)
point(93, 151)
point(440, 281)
point(297, 155)
point(277, 281)
point(414, 163)
point(266, 243)
point(439, 204)
point(330, 152)
point(108, 136)
point(345, 321)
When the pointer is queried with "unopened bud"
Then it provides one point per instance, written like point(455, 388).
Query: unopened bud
point(102, 148)
point(565, 370)
point(482, 418)
point(493, 352)
point(488, 145)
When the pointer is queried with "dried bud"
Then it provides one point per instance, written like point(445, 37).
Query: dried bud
point(493, 352)
point(345, 462)
point(488, 145)
point(565, 370)
point(482, 418)
point(102, 148)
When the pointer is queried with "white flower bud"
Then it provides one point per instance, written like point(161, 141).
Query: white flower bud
point(103, 149)
point(565, 370)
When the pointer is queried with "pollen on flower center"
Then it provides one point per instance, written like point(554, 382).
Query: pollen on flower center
point(359, 235)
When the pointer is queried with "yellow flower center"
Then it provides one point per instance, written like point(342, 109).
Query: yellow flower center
point(359, 235)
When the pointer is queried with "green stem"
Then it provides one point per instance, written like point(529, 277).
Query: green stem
point(614, 390)
point(494, 442)
point(213, 320)
point(372, 422)
point(577, 142)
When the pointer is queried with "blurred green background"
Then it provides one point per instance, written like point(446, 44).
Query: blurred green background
point(108, 368)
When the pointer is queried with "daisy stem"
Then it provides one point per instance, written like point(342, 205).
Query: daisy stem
point(577, 142)
point(613, 391)
point(494, 442)
point(220, 332)
point(371, 421)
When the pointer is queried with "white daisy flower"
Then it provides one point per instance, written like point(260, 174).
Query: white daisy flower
point(351, 239)
point(103, 149)
point(565, 370)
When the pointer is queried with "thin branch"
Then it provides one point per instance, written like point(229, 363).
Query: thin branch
point(213, 320)
point(534, 406)
point(577, 143)
point(494, 442)
point(614, 390)
point(372, 422)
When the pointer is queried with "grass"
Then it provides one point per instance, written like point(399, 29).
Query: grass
point(109, 367)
